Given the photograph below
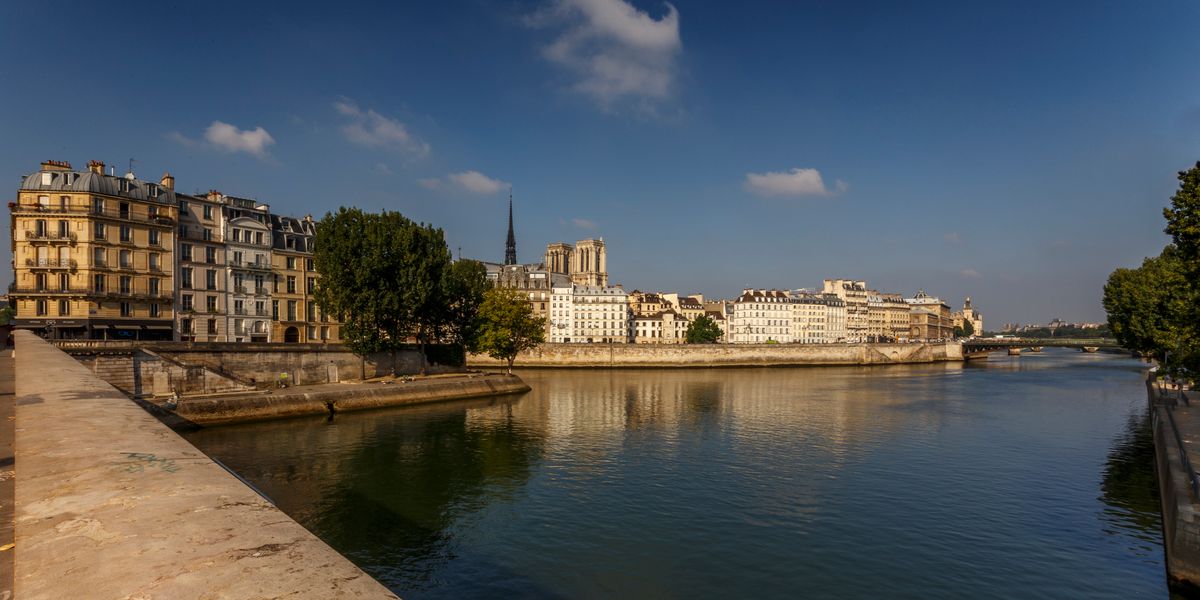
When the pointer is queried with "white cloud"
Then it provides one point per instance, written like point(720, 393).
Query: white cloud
point(797, 182)
point(468, 181)
point(371, 129)
point(614, 51)
point(970, 273)
point(583, 223)
point(231, 139)
point(952, 238)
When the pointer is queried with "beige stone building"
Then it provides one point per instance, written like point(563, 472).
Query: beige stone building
point(854, 294)
point(818, 318)
point(968, 313)
point(929, 318)
point(888, 317)
point(201, 270)
point(663, 327)
point(93, 254)
point(295, 316)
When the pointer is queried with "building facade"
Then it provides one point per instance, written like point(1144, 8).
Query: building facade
point(854, 294)
point(762, 316)
point(294, 311)
point(968, 313)
point(818, 318)
point(929, 318)
point(93, 254)
point(664, 327)
point(589, 314)
point(201, 304)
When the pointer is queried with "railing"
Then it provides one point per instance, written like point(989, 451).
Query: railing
point(50, 236)
point(261, 291)
point(135, 294)
point(47, 290)
point(50, 263)
point(239, 311)
point(239, 289)
point(157, 219)
point(246, 264)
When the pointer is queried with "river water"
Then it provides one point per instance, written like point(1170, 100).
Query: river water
point(1007, 478)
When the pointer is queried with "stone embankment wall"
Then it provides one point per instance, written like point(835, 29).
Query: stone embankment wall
point(1176, 428)
point(110, 503)
point(327, 399)
point(161, 368)
point(726, 355)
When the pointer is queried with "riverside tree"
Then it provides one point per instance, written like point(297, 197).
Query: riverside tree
point(387, 279)
point(506, 325)
point(703, 330)
point(1155, 308)
point(464, 286)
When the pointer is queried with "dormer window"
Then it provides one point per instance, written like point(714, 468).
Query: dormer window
point(69, 178)
point(151, 190)
point(47, 178)
point(123, 185)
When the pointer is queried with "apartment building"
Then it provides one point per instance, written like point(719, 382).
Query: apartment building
point(295, 314)
point(589, 314)
point(854, 293)
point(93, 254)
point(762, 316)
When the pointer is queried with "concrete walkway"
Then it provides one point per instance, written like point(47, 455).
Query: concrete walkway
point(110, 503)
point(7, 483)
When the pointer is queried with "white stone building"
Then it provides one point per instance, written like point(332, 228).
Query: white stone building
point(854, 293)
point(589, 314)
point(665, 327)
point(762, 316)
point(818, 318)
point(248, 250)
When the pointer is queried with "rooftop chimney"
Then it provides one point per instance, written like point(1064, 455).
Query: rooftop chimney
point(96, 166)
point(56, 165)
point(167, 182)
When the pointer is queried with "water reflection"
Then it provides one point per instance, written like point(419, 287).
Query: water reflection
point(930, 480)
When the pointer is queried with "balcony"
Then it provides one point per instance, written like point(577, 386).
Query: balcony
point(108, 213)
point(134, 294)
point(240, 289)
point(245, 264)
point(47, 290)
point(50, 263)
point(50, 236)
point(239, 311)
point(261, 291)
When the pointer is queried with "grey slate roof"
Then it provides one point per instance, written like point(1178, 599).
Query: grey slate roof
point(90, 182)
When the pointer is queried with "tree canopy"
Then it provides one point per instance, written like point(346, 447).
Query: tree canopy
point(703, 330)
point(507, 326)
point(388, 279)
point(1155, 308)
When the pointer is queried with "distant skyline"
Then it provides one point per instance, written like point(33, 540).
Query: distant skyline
point(1013, 152)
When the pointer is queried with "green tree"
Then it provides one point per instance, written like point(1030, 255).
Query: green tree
point(507, 326)
point(6, 315)
point(1149, 310)
point(383, 277)
point(1183, 217)
point(703, 330)
point(463, 286)
point(958, 331)
point(968, 328)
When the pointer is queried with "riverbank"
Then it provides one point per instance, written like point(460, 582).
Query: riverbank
point(332, 398)
point(1176, 425)
point(110, 503)
point(726, 355)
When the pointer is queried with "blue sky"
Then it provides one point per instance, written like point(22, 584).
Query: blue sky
point(1015, 152)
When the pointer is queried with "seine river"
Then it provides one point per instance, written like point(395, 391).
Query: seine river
point(1008, 478)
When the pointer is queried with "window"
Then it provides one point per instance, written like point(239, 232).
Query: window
point(260, 308)
point(291, 263)
point(207, 234)
point(125, 259)
point(126, 309)
point(98, 283)
point(155, 286)
point(124, 210)
point(275, 310)
point(155, 261)
point(258, 238)
point(40, 281)
point(126, 233)
point(291, 284)
point(152, 210)
point(239, 307)
point(183, 207)
point(291, 310)
point(41, 308)
point(64, 229)
point(185, 301)
point(47, 179)
point(237, 257)
point(64, 202)
point(152, 191)
point(185, 278)
point(237, 235)
point(99, 231)
point(154, 237)
point(210, 255)
point(210, 304)
point(69, 178)
point(153, 309)
point(308, 264)
point(185, 252)
point(212, 327)
point(324, 333)
point(125, 283)
point(312, 311)
point(312, 332)
point(123, 184)
point(207, 212)
point(210, 279)
point(64, 282)
point(311, 285)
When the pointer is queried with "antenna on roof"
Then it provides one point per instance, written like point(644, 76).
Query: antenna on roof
point(131, 161)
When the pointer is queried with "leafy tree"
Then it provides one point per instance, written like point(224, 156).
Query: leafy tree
point(958, 332)
point(1183, 217)
point(968, 328)
point(463, 285)
point(703, 330)
point(507, 326)
point(383, 277)
point(1149, 311)
point(6, 315)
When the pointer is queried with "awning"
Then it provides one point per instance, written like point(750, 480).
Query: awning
point(162, 327)
point(99, 326)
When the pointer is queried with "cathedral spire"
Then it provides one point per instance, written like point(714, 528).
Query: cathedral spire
point(510, 247)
